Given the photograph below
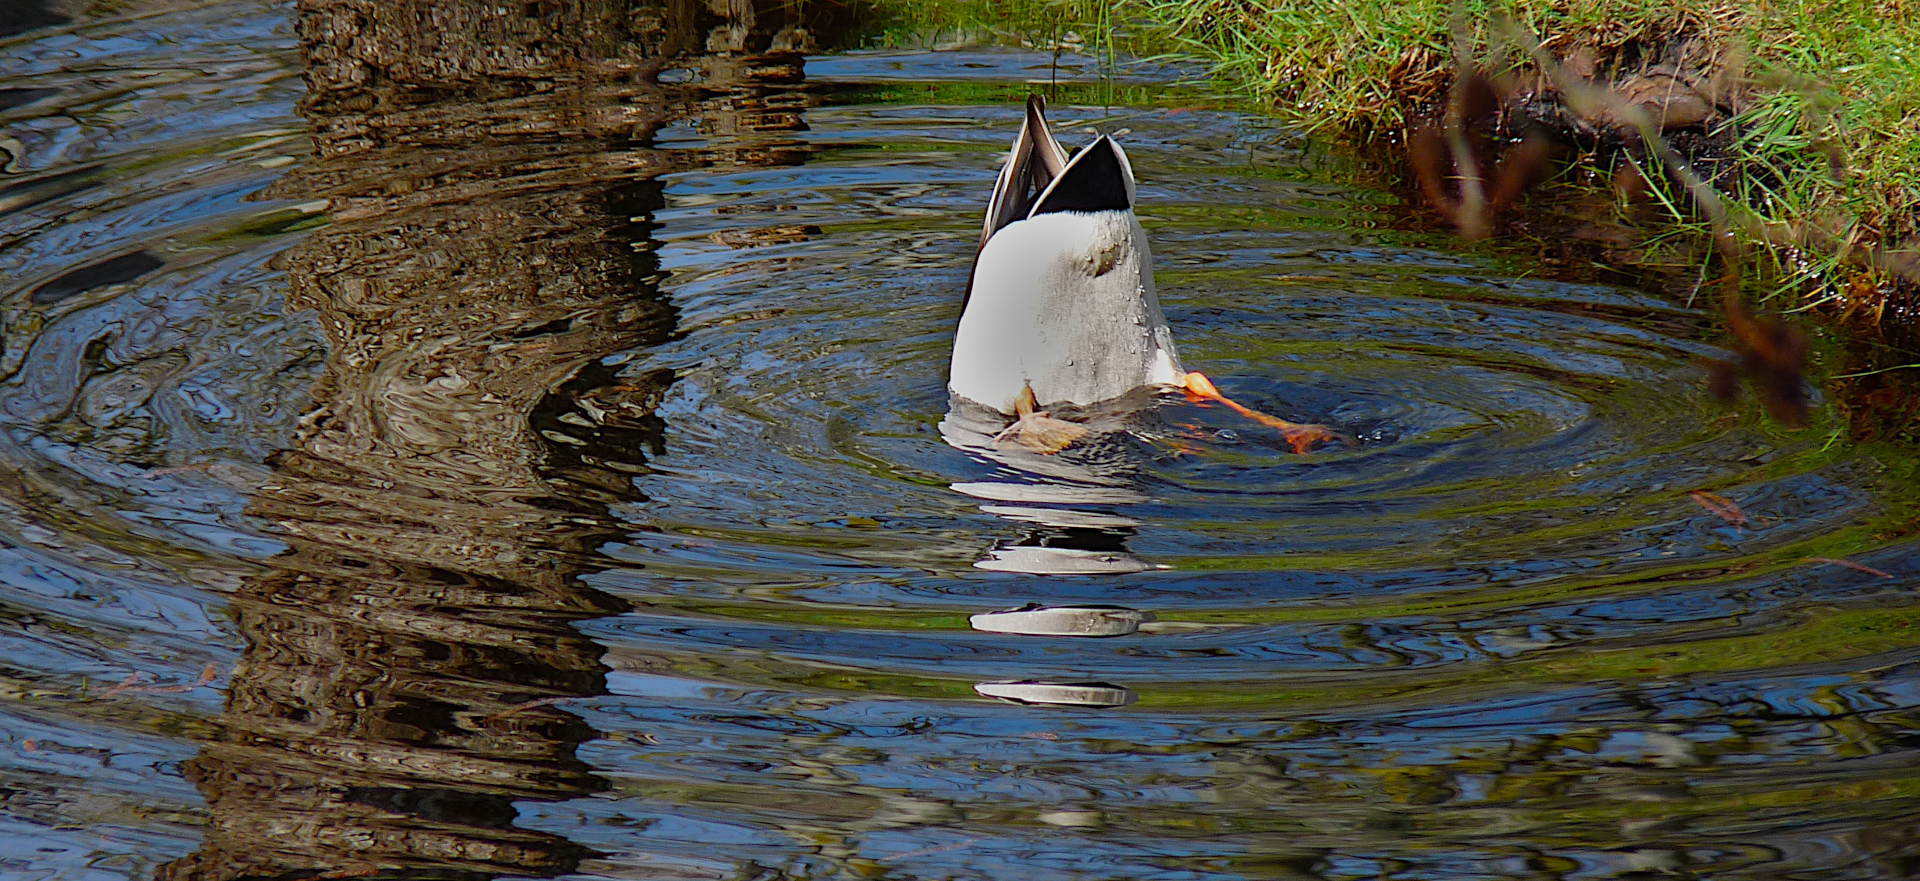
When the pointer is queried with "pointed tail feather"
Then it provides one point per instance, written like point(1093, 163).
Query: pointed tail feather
point(1046, 151)
point(1037, 159)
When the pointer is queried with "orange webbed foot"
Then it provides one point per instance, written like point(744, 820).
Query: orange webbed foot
point(1301, 437)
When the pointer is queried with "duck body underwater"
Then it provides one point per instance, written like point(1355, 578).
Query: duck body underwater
point(1061, 309)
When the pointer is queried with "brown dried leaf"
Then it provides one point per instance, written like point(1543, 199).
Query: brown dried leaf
point(1720, 506)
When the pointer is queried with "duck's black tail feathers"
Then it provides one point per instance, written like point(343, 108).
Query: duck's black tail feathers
point(1097, 179)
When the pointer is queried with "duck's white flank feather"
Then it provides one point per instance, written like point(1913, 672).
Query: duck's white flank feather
point(1064, 302)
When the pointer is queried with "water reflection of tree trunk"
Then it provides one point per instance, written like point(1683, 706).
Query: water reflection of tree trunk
point(408, 656)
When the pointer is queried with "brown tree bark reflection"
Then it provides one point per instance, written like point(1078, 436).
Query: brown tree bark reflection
point(410, 656)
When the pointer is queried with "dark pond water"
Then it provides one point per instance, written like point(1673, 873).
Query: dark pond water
point(506, 441)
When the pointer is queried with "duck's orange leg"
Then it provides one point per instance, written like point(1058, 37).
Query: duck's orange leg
point(1300, 437)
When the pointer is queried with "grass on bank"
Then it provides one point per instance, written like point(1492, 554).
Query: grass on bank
point(1825, 96)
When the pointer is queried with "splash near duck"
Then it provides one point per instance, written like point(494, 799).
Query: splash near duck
point(1061, 308)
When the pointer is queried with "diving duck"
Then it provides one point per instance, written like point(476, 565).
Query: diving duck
point(1061, 306)
point(1060, 309)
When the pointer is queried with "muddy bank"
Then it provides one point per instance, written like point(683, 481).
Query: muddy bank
point(1657, 131)
point(1662, 127)
point(1798, 122)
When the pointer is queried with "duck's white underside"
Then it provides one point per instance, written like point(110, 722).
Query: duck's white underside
point(1065, 302)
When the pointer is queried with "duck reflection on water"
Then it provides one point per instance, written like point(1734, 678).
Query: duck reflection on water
point(1067, 502)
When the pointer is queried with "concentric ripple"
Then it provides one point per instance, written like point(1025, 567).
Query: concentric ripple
point(518, 499)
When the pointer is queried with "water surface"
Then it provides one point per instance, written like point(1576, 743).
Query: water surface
point(514, 449)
